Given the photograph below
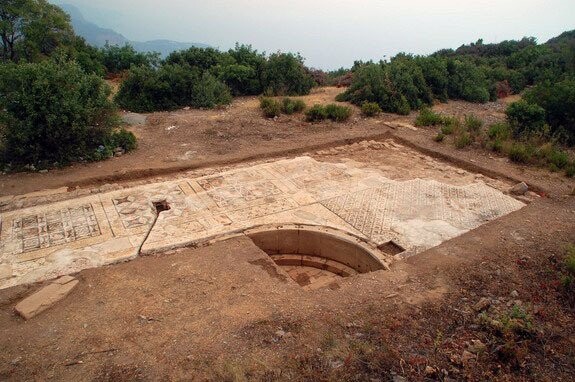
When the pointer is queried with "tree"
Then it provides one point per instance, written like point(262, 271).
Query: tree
point(53, 112)
point(32, 29)
point(117, 59)
point(285, 74)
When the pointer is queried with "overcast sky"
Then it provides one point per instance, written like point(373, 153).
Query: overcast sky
point(333, 33)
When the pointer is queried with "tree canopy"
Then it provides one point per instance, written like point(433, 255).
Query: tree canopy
point(32, 29)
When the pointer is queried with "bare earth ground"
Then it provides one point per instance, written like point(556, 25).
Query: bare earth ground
point(225, 312)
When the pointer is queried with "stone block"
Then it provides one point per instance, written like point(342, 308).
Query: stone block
point(45, 297)
point(519, 189)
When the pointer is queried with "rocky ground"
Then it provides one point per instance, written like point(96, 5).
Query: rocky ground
point(487, 305)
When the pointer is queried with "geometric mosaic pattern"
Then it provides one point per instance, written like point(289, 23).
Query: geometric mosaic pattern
point(416, 214)
point(136, 210)
point(55, 227)
point(238, 195)
point(376, 211)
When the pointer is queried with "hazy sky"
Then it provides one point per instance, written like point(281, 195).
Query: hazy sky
point(333, 33)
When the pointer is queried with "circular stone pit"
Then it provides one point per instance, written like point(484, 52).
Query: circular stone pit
point(316, 256)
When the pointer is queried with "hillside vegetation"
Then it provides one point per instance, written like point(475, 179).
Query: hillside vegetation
point(36, 37)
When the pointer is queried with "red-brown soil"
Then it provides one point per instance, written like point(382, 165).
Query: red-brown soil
point(225, 312)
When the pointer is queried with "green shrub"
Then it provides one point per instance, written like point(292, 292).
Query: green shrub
point(146, 89)
point(120, 58)
point(450, 125)
point(467, 81)
point(332, 111)
point(291, 106)
point(270, 107)
point(370, 109)
point(201, 59)
point(496, 145)
point(520, 153)
point(559, 158)
point(462, 140)
point(209, 92)
point(435, 72)
point(124, 139)
point(243, 76)
point(569, 263)
point(170, 87)
point(53, 112)
point(558, 101)
point(499, 131)
point(439, 137)
point(316, 113)
point(338, 113)
point(285, 74)
point(266, 101)
point(408, 80)
point(447, 129)
point(428, 117)
point(473, 123)
point(373, 83)
point(570, 170)
point(525, 118)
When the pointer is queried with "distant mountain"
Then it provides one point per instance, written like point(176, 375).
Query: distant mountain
point(98, 36)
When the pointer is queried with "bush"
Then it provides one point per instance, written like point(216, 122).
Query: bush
point(496, 145)
point(243, 76)
point(285, 74)
point(146, 89)
point(570, 170)
point(408, 80)
point(53, 112)
point(372, 83)
point(520, 153)
point(499, 131)
point(201, 59)
point(428, 117)
point(558, 101)
point(370, 109)
point(451, 124)
point(338, 113)
point(462, 140)
point(332, 111)
point(271, 107)
point(117, 59)
point(124, 139)
point(170, 87)
point(525, 118)
point(435, 72)
point(316, 113)
point(208, 92)
point(291, 106)
point(467, 82)
point(473, 123)
point(558, 158)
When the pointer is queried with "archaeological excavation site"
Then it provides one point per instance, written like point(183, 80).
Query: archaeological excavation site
point(311, 254)
point(318, 220)
point(210, 211)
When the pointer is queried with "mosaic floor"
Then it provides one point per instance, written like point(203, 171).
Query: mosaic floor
point(45, 242)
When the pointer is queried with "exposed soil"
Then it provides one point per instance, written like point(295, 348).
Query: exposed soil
point(218, 313)
point(226, 312)
point(187, 139)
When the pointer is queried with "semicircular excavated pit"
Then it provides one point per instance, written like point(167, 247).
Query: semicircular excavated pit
point(316, 256)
